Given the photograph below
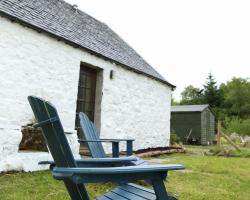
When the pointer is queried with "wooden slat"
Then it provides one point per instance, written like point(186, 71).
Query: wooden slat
point(63, 157)
point(90, 133)
point(140, 162)
point(57, 143)
point(103, 198)
point(114, 196)
point(143, 192)
point(128, 194)
point(141, 188)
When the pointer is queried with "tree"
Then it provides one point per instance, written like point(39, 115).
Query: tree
point(236, 95)
point(212, 94)
point(192, 95)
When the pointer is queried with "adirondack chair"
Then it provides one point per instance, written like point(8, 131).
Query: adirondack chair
point(95, 143)
point(96, 149)
point(74, 174)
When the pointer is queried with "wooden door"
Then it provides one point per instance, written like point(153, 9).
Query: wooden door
point(86, 95)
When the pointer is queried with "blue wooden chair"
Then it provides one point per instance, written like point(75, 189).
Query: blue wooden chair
point(94, 143)
point(75, 173)
point(96, 149)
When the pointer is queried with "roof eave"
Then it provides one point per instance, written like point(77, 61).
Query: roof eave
point(24, 23)
point(186, 111)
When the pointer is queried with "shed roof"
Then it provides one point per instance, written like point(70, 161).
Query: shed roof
point(64, 21)
point(189, 108)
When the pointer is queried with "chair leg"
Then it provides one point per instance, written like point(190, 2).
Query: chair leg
point(76, 191)
point(115, 149)
point(160, 190)
point(129, 148)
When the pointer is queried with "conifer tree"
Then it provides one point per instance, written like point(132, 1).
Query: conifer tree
point(212, 94)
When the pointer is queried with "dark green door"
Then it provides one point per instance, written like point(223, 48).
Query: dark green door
point(86, 95)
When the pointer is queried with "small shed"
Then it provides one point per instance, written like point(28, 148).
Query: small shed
point(194, 124)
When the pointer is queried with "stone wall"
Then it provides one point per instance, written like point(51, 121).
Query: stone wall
point(32, 140)
point(32, 63)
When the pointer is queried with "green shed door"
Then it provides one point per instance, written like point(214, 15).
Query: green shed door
point(204, 128)
point(207, 127)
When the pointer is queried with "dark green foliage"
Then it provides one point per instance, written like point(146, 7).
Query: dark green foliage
point(192, 95)
point(230, 102)
point(236, 98)
point(209, 94)
point(174, 138)
point(237, 125)
point(212, 95)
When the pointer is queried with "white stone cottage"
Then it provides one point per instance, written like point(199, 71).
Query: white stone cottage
point(57, 52)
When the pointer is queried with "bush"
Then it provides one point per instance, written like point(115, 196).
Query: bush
point(174, 138)
point(237, 125)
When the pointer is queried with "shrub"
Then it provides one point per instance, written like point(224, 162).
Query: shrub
point(237, 125)
point(174, 138)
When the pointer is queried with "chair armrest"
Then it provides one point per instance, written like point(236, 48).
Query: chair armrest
point(114, 174)
point(48, 162)
point(129, 144)
point(86, 141)
point(119, 139)
point(107, 162)
point(115, 145)
point(96, 162)
point(122, 159)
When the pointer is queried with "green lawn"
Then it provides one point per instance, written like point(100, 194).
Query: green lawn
point(205, 177)
point(211, 178)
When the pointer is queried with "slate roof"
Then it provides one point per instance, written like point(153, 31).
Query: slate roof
point(62, 20)
point(189, 108)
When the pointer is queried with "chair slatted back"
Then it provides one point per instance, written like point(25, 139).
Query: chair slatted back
point(57, 142)
point(90, 133)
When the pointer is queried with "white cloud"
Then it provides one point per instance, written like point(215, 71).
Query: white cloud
point(183, 40)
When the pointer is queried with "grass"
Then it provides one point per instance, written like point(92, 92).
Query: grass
point(211, 178)
point(191, 147)
point(205, 177)
point(229, 151)
point(40, 185)
point(243, 153)
point(225, 149)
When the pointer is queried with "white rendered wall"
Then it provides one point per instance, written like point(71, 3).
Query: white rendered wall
point(31, 63)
